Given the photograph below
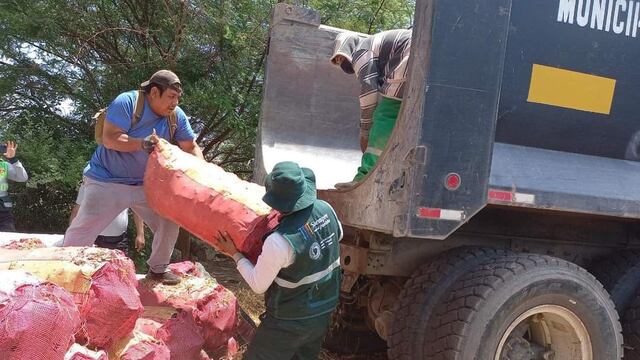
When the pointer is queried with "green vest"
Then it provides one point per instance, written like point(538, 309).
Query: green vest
point(5, 201)
point(310, 286)
point(4, 176)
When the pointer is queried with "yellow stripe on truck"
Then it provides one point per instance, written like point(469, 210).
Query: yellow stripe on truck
point(571, 89)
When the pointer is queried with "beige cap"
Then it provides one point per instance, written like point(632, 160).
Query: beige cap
point(165, 78)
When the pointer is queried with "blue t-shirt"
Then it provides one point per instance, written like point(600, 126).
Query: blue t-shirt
point(128, 167)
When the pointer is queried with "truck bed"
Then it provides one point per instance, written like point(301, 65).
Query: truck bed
point(310, 115)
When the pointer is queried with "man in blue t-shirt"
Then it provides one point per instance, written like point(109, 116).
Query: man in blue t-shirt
point(114, 177)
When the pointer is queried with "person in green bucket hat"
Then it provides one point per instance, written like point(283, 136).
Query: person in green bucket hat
point(298, 269)
point(379, 62)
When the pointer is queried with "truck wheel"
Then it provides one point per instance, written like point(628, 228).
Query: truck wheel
point(526, 307)
point(620, 276)
point(422, 292)
point(631, 329)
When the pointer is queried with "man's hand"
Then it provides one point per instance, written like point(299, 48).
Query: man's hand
point(364, 141)
point(11, 150)
point(224, 244)
point(139, 242)
point(150, 142)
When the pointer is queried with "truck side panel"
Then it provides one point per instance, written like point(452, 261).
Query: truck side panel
point(596, 44)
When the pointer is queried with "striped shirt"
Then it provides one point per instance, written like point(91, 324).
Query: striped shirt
point(380, 63)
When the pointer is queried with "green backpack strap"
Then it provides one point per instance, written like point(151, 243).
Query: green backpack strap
point(138, 109)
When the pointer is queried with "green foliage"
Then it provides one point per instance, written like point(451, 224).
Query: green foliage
point(365, 16)
point(83, 53)
point(48, 154)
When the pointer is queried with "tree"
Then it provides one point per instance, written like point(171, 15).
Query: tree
point(62, 60)
point(87, 52)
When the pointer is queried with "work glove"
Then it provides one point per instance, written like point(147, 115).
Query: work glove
point(150, 142)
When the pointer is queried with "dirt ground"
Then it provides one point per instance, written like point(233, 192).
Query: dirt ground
point(223, 269)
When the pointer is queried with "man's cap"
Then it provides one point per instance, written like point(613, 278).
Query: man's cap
point(290, 188)
point(164, 78)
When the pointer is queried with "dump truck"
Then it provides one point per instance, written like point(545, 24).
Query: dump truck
point(503, 219)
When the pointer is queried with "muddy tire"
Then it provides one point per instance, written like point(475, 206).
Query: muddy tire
point(526, 307)
point(412, 315)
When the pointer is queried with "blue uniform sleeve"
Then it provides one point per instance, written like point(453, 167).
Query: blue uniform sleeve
point(120, 112)
point(184, 132)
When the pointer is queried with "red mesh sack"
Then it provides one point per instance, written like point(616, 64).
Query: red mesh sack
point(204, 199)
point(182, 336)
point(218, 315)
point(113, 305)
point(214, 308)
point(37, 320)
point(102, 282)
point(148, 326)
point(79, 352)
point(24, 244)
point(139, 346)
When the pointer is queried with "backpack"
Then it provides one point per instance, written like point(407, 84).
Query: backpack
point(101, 115)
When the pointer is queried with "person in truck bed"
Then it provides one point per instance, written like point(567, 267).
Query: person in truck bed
point(299, 268)
point(379, 62)
point(10, 169)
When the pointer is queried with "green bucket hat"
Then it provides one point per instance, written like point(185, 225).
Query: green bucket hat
point(290, 188)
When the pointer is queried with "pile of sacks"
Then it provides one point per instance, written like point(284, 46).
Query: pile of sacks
point(106, 310)
point(87, 303)
point(195, 314)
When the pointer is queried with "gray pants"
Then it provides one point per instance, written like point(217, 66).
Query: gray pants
point(103, 202)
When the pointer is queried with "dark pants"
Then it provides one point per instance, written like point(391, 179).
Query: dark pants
point(7, 221)
point(278, 339)
point(120, 242)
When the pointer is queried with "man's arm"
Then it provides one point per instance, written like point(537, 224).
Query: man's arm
point(276, 254)
point(191, 147)
point(365, 64)
point(368, 104)
point(139, 241)
point(115, 138)
point(16, 171)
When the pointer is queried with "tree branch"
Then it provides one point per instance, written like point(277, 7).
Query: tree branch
point(373, 19)
point(218, 139)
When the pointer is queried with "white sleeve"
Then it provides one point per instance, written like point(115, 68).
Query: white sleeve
point(276, 254)
point(17, 172)
point(339, 224)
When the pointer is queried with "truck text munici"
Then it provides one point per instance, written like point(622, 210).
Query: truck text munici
point(618, 16)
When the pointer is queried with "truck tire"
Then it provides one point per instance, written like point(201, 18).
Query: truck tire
point(526, 306)
point(422, 292)
point(631, 329)
point(620, 276)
